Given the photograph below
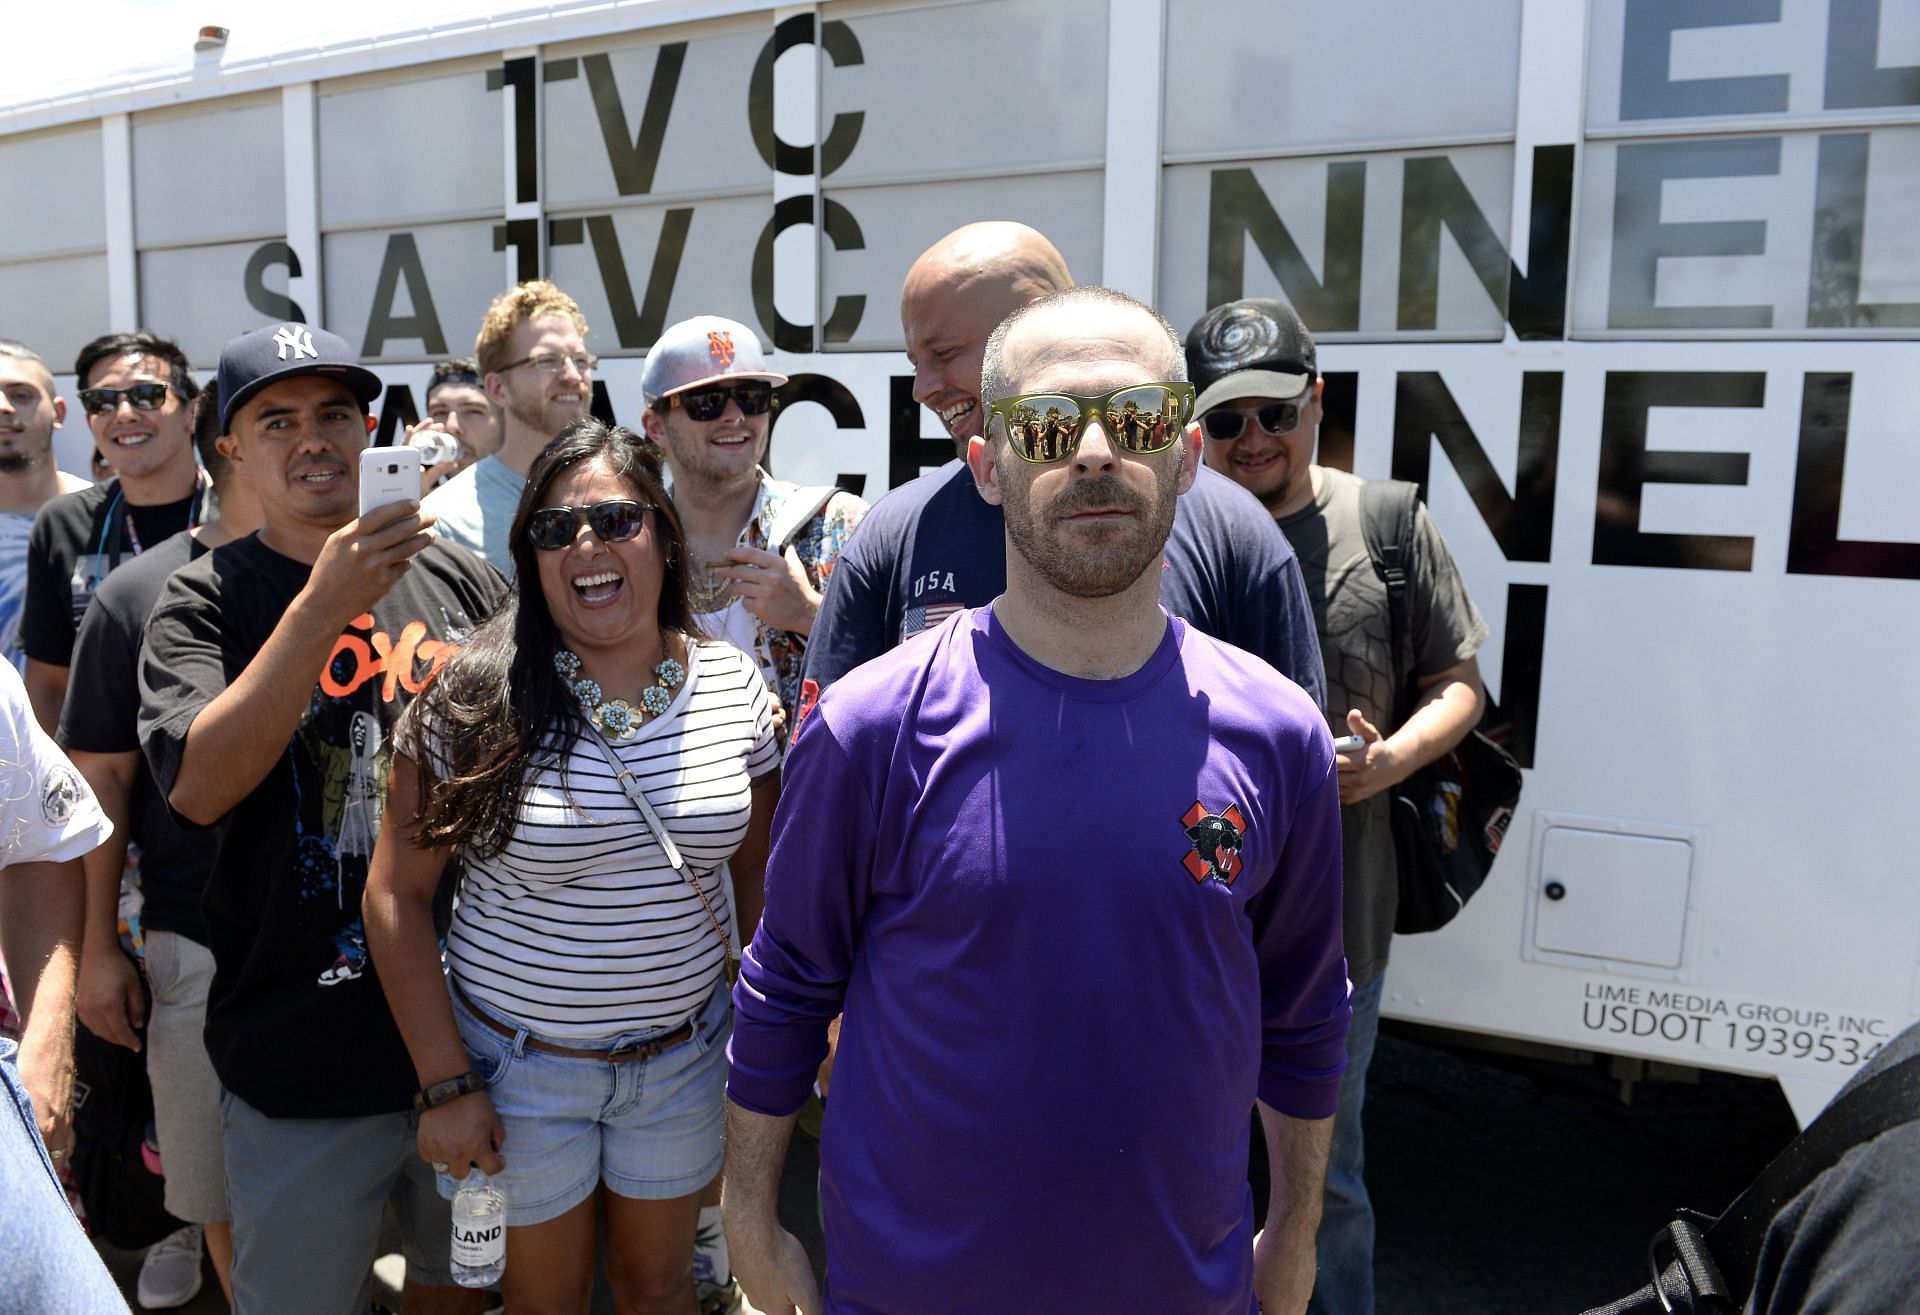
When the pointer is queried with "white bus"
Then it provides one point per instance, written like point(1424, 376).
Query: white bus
point(1630, 286)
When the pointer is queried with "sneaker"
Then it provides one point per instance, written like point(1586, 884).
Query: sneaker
point(170, 1275)
point(719, 1299)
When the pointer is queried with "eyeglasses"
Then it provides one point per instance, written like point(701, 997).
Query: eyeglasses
point(554, 362)
point(1226, 425)
point(1140, 418)
point(613, 521)
point(105, 401)
point(753, 396)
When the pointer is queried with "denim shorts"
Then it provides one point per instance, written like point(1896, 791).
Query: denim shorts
point(651, 1129)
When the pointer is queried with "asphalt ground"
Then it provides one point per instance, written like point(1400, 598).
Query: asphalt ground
point(1503, 1186)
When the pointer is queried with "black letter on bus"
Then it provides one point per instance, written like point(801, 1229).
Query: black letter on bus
point(1855, 80)
point(1648, 89)
point(841, 404)
point(837, 39)
point(908, 452)
point(1237, 210)
point(1814, 545)
point(634, 161)
point(273, 305)
point(1432, 195)
point(1522, 523)
point(1627, 467)
point(1839, 236)
point(843, 230)
point(402, 261)
point(634, 325)
point(1641, 240)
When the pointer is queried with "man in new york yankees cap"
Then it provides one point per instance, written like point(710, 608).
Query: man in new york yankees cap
point(274, 669)
point(1259, 411)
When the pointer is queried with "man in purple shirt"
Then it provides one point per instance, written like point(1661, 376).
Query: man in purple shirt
point(1072, 869)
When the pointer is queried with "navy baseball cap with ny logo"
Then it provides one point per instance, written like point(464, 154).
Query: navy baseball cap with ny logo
point(285, 351)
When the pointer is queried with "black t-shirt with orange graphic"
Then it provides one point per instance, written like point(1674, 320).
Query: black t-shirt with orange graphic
point(297, 1025)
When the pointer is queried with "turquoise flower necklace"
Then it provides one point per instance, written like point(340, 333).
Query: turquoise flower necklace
point(616, 718)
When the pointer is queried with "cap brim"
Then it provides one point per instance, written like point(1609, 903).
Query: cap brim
point(1242, 384)
point(365, 384)
point(713, 379)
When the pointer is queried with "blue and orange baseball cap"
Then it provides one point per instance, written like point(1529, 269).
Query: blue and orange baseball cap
point(705, 350)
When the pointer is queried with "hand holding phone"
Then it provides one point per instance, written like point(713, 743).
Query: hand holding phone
point(1350, 744)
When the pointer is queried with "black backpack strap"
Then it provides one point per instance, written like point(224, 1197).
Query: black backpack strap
point(1727, 1253)
point(1387, 518)
point(1875, 1105)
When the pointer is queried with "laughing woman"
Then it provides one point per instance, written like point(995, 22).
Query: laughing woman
point(593, 767)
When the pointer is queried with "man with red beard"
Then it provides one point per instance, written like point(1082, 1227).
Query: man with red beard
point(536, 369)
point(1259, 410)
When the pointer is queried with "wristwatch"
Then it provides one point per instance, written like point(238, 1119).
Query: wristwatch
point(452, 1089)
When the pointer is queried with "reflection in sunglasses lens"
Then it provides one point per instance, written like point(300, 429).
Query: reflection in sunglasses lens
point(754, 398)
point(1275, 417)
point(613, 521)
point(143, 397)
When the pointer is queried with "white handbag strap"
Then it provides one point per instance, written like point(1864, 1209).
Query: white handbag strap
point(631, 784)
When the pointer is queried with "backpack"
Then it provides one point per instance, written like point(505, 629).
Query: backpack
point(113, 1104)
point(1449, 817)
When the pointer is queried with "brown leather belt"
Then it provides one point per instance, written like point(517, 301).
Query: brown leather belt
point(621, 1055)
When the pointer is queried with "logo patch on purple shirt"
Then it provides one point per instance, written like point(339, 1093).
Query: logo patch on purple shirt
point(1216, 840)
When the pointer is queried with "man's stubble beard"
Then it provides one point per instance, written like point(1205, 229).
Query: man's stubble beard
point(16, 462)
point(1095, 570)
point(534, 415)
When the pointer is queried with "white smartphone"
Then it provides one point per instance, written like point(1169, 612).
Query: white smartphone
point(388, 475)
point(1350, 744)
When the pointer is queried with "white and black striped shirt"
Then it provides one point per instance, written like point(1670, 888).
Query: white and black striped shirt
point(580, 928)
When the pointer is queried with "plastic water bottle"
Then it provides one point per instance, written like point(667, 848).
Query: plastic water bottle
point(479, 1232)
point(435, 447)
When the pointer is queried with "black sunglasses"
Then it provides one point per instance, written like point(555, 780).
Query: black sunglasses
point(1275, 417)
point(754, 396)
point(613, 521)
point(105, 401)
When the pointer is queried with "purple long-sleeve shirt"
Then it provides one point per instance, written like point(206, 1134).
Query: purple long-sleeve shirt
point(1076, 927)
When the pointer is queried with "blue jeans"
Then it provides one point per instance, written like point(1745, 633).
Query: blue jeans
point(49, 1268)
point(1345, 1243)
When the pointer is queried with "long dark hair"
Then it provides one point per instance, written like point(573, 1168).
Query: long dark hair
point(498, 709)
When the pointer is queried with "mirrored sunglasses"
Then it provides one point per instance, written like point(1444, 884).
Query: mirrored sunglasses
point(1275, 417)
point(105, 401)
point(754, 397)
point(613, 521)
point(1141, 419)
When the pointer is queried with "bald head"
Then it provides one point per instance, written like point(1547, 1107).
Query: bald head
point(1011, 258)
point(955, 294)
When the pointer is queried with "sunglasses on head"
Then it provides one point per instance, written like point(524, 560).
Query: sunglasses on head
point(754, 397)
point(1140, 418)
point(1275, 417)
point(613, 521)
point(105, 401)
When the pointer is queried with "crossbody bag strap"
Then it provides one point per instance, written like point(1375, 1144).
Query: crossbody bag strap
point(631, 785)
